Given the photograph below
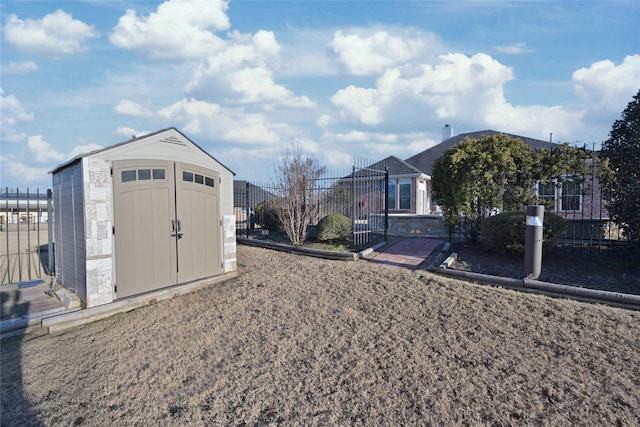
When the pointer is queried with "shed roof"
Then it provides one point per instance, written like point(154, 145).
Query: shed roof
point(424, 161)
point(169, 136)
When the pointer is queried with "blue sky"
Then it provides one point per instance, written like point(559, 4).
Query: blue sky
point(344, 79)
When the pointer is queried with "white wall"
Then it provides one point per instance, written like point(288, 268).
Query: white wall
point(98, 211)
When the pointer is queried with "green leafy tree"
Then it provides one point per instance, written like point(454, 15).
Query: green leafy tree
point(620, 175)
point(299, 200)
point(480, 177)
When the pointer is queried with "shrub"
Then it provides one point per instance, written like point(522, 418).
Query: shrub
point(334, 227)
point(505, 232)
point(266, 217)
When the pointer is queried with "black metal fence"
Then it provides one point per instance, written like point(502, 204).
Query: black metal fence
point(579, 199)
point(26, 235)
point(359, 193)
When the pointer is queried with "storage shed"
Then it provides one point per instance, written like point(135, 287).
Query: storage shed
point(138, 216)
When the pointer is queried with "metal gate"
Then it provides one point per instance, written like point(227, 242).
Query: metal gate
point(359, 193)
point(26, 235)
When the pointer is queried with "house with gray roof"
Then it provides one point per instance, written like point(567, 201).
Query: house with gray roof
point(425, 160)
point(410, 179)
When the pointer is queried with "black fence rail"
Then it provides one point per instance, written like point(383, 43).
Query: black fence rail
point(580, 199)
point(26, 235)
point(358, 193)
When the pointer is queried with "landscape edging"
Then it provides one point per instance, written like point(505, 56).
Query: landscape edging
point(319, 253)
point(551, 289)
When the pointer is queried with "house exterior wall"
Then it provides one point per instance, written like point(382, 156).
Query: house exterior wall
point(98, 217)
point(69, 229)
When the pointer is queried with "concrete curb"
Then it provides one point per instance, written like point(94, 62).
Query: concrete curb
point(14, 326)
point(549, 289)
point(318, 253)
point(365, 253)
point(80, 317)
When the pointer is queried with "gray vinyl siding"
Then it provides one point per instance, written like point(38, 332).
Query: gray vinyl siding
point(69, 233)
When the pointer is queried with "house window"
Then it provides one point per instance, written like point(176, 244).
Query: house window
point(571, 194)
point(399, 195)
point(405, 194)
point(547, 194)
point(391, 195)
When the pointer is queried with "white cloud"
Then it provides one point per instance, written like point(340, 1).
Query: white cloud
point(18, 67)
point(335, 158)
point(19, 172)
point(323, 121)
point(240, 73)
point(607, 86)
point(363, 105)
point(12, 112)
point(376, 144)
point(55, 34)
point(360, 136)
point(178, 29)
point(514, 48)
point(130, 132)
point(42, 151)
point(226, 124)
point(536, 121)
point(365, 55)
point(455, 88)
point(131, 108)
point(83, 149)
point(456, 85)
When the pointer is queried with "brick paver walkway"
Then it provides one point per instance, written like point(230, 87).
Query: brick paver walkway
point(408, 253)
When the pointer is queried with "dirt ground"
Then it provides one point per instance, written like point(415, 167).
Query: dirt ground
point(303, 341)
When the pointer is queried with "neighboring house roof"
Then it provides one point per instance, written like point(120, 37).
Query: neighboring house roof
point(257, 195)
point(424, 161)
point(395, 166)
point(172, 136)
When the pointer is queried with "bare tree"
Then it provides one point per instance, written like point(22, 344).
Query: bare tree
point(296, 177)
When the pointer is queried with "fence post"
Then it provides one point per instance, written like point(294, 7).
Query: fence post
point(28, 220)
point(6, 202)
point(246, 208)
point(18, 233)
point(38, 219)
point(50, 230)
point(353, 206)
point(386, 202)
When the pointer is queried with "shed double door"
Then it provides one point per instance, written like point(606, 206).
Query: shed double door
point(167, 225)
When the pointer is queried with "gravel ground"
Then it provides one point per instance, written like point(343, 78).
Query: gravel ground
point(304, 341)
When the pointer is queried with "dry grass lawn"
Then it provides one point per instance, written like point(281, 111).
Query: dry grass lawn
point(304, 341)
